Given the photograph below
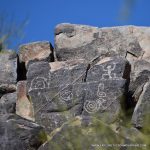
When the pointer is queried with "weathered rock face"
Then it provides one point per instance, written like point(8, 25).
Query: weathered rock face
point(17, 133)
point(56, 91)
point(80, 41)
point(36, 51)
point(62, 90)
point(84, 133)
point(95, 87)
point(8, 71)
point(24, 107)
point(8, 103)
point(141, 112)
point(106, 88)
point(140, 93)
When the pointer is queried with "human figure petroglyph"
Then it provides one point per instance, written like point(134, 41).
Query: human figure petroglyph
point(109, 70)
point(109, 75)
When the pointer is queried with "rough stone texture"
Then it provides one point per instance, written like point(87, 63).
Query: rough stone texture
point(24, 106)
point(36, 51)
point(100, 73)
point(8, 71)
point(62, 90)
point(139, 91)
point(141, 112)
point(54, 96)
point(87, 133)
point(17, 133)
point(86, 42)
point(90, 43)
point(7, 88)
point(140, 75)
point(8, 103)
point(104, 96)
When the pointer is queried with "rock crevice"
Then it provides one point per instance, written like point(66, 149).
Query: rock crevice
point(100, 75)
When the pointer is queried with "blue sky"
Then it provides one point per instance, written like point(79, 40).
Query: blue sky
point(44, 15)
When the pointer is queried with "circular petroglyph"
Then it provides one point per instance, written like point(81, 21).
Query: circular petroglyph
point(38, 83)
point(91, 106)
point(66, 95)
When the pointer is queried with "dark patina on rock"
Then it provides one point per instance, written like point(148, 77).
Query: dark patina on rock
point(18, 133)
point(62, 90)
point(8, 103)
point(55, 90)
point(8, 71)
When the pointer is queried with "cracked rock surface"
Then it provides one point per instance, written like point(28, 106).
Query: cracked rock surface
point(93, 87)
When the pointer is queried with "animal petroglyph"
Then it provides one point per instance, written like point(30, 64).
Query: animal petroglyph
point(101, 104)
point(100, 92)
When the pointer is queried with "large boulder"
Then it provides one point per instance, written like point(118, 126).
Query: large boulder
point(141, 113)
point(89, 133)
point(8, 103)
point(62, 90)
point(56, 91)
point(36, 51)
point(139, 91)
point(140, 75)
point(18, 133)
point(106, 88)
point(8, 71)
point(80, 41)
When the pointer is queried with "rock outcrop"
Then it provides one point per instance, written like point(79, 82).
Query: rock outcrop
point(8, 72)
point(90, 90)
point(18, 133)
point(66, 89)
point(15, 132)
point(24, 107)
point(36, 51)
point(90, 133)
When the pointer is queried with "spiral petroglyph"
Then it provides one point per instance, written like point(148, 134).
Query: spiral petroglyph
point(91, 106)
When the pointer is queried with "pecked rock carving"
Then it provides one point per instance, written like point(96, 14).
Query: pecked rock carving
point(91, 73)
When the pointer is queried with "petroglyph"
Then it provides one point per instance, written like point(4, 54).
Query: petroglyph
point(103, 102)
point(38, 83)
point(108, 75)
point(91, 106)
point(100, 92)
point(66, 95)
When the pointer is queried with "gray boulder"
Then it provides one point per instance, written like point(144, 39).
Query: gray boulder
point(54, 96)
point(61, 90)
point(89, 133)
point(140, 93)
point(141, 113)
point(17, 133)
point(8, 71)
point(106, 87)
point(86, 42)
point(36, 51)
point(8, 103)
